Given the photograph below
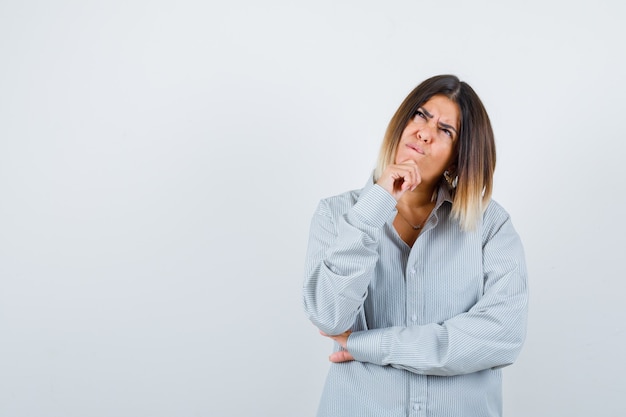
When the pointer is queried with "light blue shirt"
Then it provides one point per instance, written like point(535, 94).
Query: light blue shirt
point(432, 324)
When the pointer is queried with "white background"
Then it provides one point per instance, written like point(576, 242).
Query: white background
point(160, 162)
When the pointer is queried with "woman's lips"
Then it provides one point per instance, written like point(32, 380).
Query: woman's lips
point(415, 148)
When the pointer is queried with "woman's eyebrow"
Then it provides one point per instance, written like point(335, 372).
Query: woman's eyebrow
point(447, 126)
point(444, 125)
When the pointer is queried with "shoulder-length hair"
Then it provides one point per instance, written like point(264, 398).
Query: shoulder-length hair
point(475, 149)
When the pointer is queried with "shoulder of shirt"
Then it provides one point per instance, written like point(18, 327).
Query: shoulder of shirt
point(494, 217)
point(495, 211)
point(339, 204)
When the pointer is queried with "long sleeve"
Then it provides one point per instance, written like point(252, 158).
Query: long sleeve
point(341, 257)
point(489, 335)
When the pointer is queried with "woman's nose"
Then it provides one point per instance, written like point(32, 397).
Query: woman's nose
point(425, 134)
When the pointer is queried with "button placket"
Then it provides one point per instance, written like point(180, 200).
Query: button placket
point(411, 296)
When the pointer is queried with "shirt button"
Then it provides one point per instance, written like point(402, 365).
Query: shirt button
point(416, 406)
point(414, 317)
point(413, 271)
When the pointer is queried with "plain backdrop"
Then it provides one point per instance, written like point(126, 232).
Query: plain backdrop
point(160, 162)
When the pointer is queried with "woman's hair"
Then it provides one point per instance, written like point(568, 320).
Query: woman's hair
point(475, 150)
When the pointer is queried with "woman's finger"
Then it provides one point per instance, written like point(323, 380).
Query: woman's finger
point(399, 178)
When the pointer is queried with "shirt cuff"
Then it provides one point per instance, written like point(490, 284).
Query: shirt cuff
point(367, 346)
point(375, 206)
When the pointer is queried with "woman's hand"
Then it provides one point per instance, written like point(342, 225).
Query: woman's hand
point(343, 355)
point(400, 178)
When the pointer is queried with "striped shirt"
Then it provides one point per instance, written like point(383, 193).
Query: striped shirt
point(432, 323)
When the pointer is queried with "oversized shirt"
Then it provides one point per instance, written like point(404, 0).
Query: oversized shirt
point(432, 324)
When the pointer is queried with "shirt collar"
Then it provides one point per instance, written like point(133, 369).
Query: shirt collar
point(443, 194)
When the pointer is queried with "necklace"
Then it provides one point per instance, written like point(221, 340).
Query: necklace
point(415, 227)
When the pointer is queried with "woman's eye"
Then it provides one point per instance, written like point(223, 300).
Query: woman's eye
point(419, 114)
point(447, 132)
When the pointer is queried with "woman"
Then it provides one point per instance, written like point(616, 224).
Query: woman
point(419, 277)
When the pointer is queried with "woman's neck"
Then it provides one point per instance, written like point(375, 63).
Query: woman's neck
point(418, 198)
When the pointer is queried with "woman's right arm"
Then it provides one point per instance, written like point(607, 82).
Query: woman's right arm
point(341, 257)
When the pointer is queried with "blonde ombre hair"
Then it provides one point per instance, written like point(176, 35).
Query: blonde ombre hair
point(475, 150)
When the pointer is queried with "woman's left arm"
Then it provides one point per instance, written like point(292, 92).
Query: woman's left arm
point(489, 335)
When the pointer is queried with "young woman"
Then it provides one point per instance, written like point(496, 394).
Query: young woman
point(419, 277)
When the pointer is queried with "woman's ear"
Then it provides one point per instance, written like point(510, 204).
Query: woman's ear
point(451, 177)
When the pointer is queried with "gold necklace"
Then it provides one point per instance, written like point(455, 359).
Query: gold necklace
point(415, 227)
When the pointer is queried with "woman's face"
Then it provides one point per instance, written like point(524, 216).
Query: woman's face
point(430, 138)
